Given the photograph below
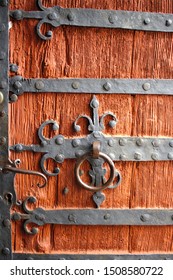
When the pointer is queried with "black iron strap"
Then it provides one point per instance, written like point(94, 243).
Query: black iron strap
point(18, 85)
point(56, 16)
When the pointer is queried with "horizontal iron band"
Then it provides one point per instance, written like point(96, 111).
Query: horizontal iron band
point(19, 85)
point(105, 217)
point(20, 256)
point(118, 148)
point(56, 16)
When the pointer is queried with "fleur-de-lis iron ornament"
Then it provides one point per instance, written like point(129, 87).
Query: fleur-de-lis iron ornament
point(97, 124)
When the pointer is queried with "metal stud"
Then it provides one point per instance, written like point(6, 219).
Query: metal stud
point(59, 158)
point(1, 97)
point(70, 17)
point(171, 144)
point(59, 140)
point(76, 143)
point(2, 114)
point(6, 223)
point(111, 19)
point(6, 251)
point(52, 16)
point(111, 142)
point(107, 216)
point(75, 85)
point(146, 21)
point(137, 156)
point(107, 86)
point(17, 85)
point(155, 156)
point(122, 157)
point(49, 34)
point(39, 85)
point(122, 142)
point(168, 22)
point(13, 98)
point(4, 3)
point(145, 217)
point(72, 218)
point(146, 86)
point(18, 148)
point(170, 156)
point(3, 140)
point(156, 143)
point(139, 142)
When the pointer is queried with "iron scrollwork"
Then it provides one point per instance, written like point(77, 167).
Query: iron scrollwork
point(56, 16)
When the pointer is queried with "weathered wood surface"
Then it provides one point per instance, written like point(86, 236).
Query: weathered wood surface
point(98, 53)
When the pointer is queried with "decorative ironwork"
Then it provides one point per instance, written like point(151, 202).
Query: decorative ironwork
point(18, 85)
point(137, 217)
point(7, 192)
point(57, 16)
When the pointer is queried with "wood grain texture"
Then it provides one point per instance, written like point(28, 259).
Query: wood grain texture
point(97, 53)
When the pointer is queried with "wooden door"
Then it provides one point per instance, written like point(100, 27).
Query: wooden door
point(81, 52)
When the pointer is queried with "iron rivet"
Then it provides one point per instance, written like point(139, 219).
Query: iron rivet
point(1, 97)
point(56, 127)
point(6, 223)
point(139, 142)
point(107, 86)
point(3, 84)
point(171, 144)
point(146, 21)
point(49, 34)
point(17, 85)
point(14, 68)
point(155, 156)
point(3, 140)
point(122, 142)
point(39, 85)
point(70, 17)
point(146, 86)
point(77, 128)
point(111, 19)
point(156, 143)
point(18, 148)
point(3, 3)
point(43, 143)
point(76, 143)
point(111, 142)
point(13, 98)
point(96, 134)
point(6, 251)
point(18, 15)
point(75, 85)
point(59, 158)
point(2, 55)
point(112, 156)
point(16, 217)
point(2, 114)
point(137, 156)
point(57, 170)
point(2, 27)
point(65, 191)
point(122, 157)
point(53, 16)
point(145, 217)
point(107, 217)
point(168, 22)
point(40, 217)
point(59, 140)
point(79, 154)
point(112, 124)
point(72, 218)
point(170, 156)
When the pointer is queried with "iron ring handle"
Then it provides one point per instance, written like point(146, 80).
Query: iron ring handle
point(105, 185)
